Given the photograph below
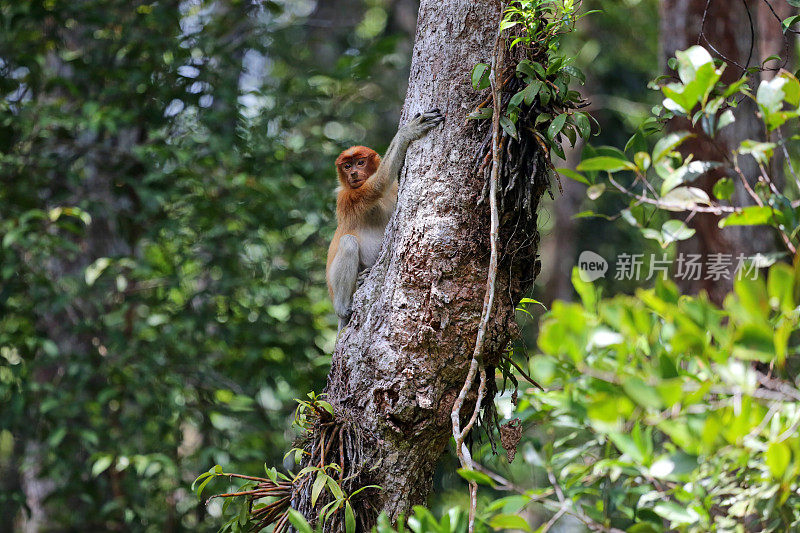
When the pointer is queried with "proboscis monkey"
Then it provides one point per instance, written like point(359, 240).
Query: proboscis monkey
point(366, 199)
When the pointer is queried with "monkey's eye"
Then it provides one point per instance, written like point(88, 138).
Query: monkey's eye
point(361, 163)
point(347, 166)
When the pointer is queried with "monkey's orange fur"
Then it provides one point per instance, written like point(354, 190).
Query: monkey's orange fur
point(366, 199)
point(361, 207)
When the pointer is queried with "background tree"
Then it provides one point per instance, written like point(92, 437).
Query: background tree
point(744, 35)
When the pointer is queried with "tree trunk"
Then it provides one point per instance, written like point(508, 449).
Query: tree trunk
point(559, 246)
point(399, 365)
point(729, 34)
point(771, 39)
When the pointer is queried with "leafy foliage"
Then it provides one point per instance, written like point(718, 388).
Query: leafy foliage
point(658, 420)
point(666, 176)
point(162, 298)
point(536, 28)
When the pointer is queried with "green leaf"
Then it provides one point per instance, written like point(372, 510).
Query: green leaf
point(749, 216)
point(595, 191)
point(329, 509)
point(202, 485)
point(675, 230)
point(788, 23)
point(791, 89)
point(530, 92)
point(365, 487)
point(690, 61)
point(299, 522)
point(650, 233)
point(669, 143)
point(200, 478)
point(473, 475)
point(644, 527)
point(545, 95)
point(683, 98)
point(609, 164)
point(57, 436)
point(336, 490)
point(423, 521)
point(723, 189)
point(626, 445)
point(480, 114)
point(508, 126)
point(531, 69)
point(781, 287)
point(575, 73)
point(642, 160)
point(532, 301)
point(349, 518)
point(771, 95)
point(571, 174)
point(556, 126)
point(642, 393)
point(480, 76)
point(583, 124)
point(761, 151)
point(684, 198)
point(686, 174)
point(586, 290)
point(725, 119)
point(777, 458)
point(508, 24)
point(737, 86)
point(319, 484)
point(101, 465)
point(676, 514)
point(94, 270)
point(325, 405)
point(509, 521)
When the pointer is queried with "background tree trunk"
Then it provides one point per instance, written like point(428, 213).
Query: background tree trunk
point(771, 39)
point(734, 32)
point(399, 365)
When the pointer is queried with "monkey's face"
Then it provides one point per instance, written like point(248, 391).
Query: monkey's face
point(356, 164)
point(356, 171)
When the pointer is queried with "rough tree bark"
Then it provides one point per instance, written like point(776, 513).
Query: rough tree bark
point(399, 365)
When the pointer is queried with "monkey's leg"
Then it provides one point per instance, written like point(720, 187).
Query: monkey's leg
point(343, 277)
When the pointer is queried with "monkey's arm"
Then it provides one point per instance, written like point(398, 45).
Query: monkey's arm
point(392, 162)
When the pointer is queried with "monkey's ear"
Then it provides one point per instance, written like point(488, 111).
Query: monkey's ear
point(374, 160)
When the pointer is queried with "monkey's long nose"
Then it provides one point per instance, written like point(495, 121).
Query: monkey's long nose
point(354, 175)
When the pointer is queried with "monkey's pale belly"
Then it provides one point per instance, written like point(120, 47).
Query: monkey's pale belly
point(370, 245)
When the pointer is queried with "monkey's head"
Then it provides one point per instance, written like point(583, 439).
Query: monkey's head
point(355, 165)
